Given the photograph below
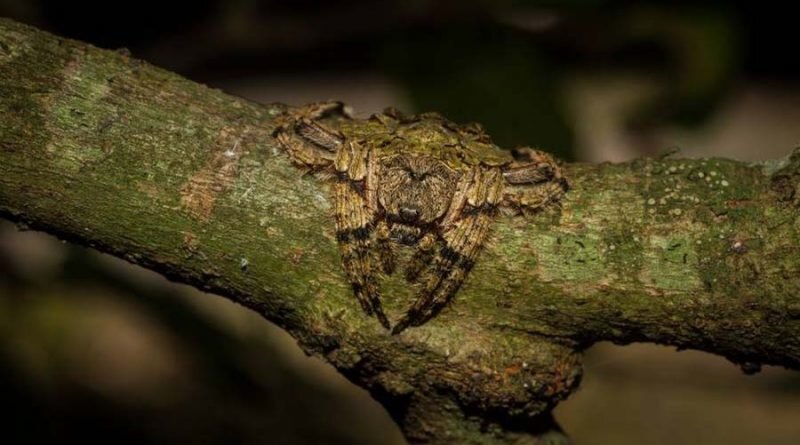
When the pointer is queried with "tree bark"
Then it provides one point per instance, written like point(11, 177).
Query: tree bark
point(110, 152)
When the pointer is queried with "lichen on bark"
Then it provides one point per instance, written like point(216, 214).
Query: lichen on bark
point(110, 152)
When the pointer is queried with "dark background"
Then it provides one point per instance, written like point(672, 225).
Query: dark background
point(92, 348)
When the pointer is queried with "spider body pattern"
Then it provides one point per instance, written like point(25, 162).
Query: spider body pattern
point(414, 181)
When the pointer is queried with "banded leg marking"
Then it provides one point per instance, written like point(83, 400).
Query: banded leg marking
point(353, 230)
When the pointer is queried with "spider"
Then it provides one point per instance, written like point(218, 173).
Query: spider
point(418, 181)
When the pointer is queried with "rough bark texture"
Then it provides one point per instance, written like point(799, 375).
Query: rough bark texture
point(107, 151)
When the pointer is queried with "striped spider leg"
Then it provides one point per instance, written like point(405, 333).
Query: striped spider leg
point(356, 207)
point(463, 232)
point(533, 182)
point(309, 144)
point(528, 184)
point(316, 147)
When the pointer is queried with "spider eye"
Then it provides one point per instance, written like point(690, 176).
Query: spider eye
point(415, 175)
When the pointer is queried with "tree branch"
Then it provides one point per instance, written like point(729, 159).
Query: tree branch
point(107, 151)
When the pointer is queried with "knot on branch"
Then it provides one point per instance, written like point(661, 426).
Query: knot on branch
point(503, 380)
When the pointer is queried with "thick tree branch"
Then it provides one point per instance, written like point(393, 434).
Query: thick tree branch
point(110, 152)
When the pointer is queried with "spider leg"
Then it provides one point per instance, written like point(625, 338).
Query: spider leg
point(533, 181)
point(462, 242)
point(422, 257)
point(302, 153)
point(318, 135)
point(530, 167)
point(452, 264)
point(385, 250)
point(309, 143)
point(320, 110)
point(354, 225)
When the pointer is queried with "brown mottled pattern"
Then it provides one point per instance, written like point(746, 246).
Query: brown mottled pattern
point(414, 181)
point(201, 192)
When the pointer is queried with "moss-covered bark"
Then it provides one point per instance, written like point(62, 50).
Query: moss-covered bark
point(107, 151)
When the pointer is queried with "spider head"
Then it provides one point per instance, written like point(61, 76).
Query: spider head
point(415, 191)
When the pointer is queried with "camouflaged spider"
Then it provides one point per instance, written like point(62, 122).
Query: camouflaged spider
point(417, 181)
